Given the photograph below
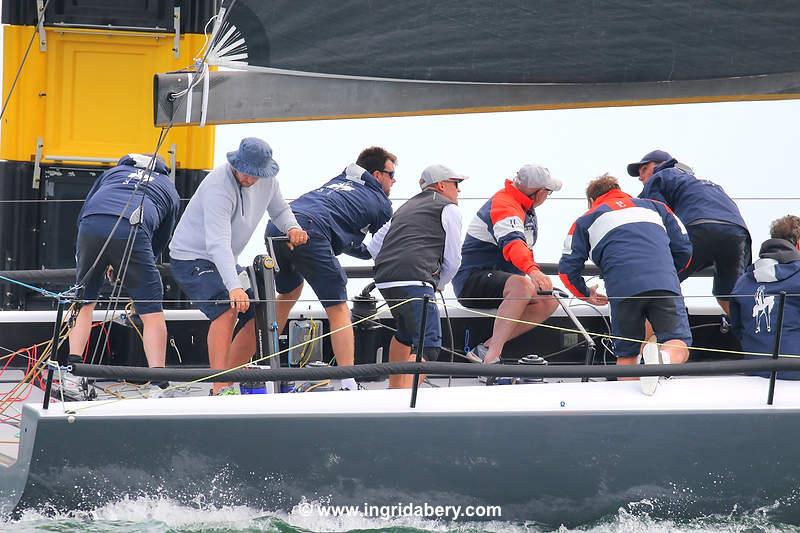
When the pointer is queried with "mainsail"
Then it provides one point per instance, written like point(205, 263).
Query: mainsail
point(361, 58)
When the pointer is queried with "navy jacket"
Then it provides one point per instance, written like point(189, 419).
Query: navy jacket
point(116, 186)
point(639, 245)
point(754, 309)
point(347, 208)
point(691, 199)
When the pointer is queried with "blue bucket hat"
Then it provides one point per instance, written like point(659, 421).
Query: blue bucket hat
point(656, 156)
point(254, 157)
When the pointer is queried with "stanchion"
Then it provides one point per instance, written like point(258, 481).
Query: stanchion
point(777, 349)
point(61, 360)
point(420, 348)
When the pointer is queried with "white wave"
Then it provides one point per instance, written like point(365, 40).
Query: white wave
point(157, 514)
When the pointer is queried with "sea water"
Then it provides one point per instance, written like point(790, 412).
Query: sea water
point(151, 515)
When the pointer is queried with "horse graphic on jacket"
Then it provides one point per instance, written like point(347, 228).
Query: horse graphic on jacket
point(763, 307)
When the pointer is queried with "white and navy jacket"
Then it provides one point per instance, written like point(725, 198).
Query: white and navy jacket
point(120, 190)
point(692, 200)
point(346, 208)
point(500, 237)
point(754, 306)
point(639, 245)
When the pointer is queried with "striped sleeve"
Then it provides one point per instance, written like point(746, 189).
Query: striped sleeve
point(573, 258)
point(508, 227)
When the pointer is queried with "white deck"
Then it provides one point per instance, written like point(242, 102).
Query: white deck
point(693, 394)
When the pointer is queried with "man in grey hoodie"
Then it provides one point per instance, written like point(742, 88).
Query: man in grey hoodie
point(213, 231)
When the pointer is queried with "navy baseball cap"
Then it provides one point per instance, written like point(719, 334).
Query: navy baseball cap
point(655, 156)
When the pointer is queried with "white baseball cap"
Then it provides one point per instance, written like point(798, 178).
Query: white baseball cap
point(436, 173)
point(532, 176)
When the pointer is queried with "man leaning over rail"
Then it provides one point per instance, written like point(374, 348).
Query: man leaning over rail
point(213, 231)
point(337, 216)
point(498, 269)
point(136, 195)
point(754, 307)
point(715, 226)
point(416, 253)
point(638, 245)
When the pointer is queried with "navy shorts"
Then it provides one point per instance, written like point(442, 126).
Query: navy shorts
point(142, 280)
point(202, 284)
point(409, 317)
point(725, 246)
point(484, 289)
point(313, 262)
point(666, 312)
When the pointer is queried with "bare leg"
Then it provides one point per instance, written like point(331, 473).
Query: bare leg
point(219, 342)
point(538, 310)
point(82, 330)
point(725, 305)
point(285, 304)
point(243, 346)
point(155, 338)
point(677, 350)
point(519, 302)
point(400, 353)
point(649, 335)
point(633, 360)
point(342, 342)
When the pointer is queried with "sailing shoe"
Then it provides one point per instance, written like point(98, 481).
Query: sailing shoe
point(70, 386)
point(230, 390)
point(651, 356)
point(478, 354)
point(358, 386)
point(167, 390)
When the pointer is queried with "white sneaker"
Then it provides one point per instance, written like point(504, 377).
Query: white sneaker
point(70, 385)
point(651, 356)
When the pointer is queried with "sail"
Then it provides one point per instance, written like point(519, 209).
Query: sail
point(358, 58)
point(517, 41)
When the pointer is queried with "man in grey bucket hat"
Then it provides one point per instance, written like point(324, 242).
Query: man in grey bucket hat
point(213, 231)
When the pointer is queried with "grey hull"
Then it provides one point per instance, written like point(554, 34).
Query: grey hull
point(552, 465)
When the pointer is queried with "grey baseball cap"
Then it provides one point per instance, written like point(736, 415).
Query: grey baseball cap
point(436, 173)
point(532, 176)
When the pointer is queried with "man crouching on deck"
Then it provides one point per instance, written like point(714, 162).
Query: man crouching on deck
point(639, 245)
point(135, 198)
point(213, 231)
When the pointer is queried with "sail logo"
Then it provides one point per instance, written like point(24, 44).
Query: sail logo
point(763, 308)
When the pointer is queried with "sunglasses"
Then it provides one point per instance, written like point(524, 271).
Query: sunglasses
point(390, 173)
point(533, 194)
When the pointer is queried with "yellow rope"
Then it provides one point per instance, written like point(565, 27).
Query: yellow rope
point(266, 357)
point(613, 337)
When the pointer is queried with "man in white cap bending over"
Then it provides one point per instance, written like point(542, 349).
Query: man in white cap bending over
point(213, 231)
point(497, 267)
point(416, 253)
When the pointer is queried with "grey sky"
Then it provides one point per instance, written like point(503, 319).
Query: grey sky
point(745, 147)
